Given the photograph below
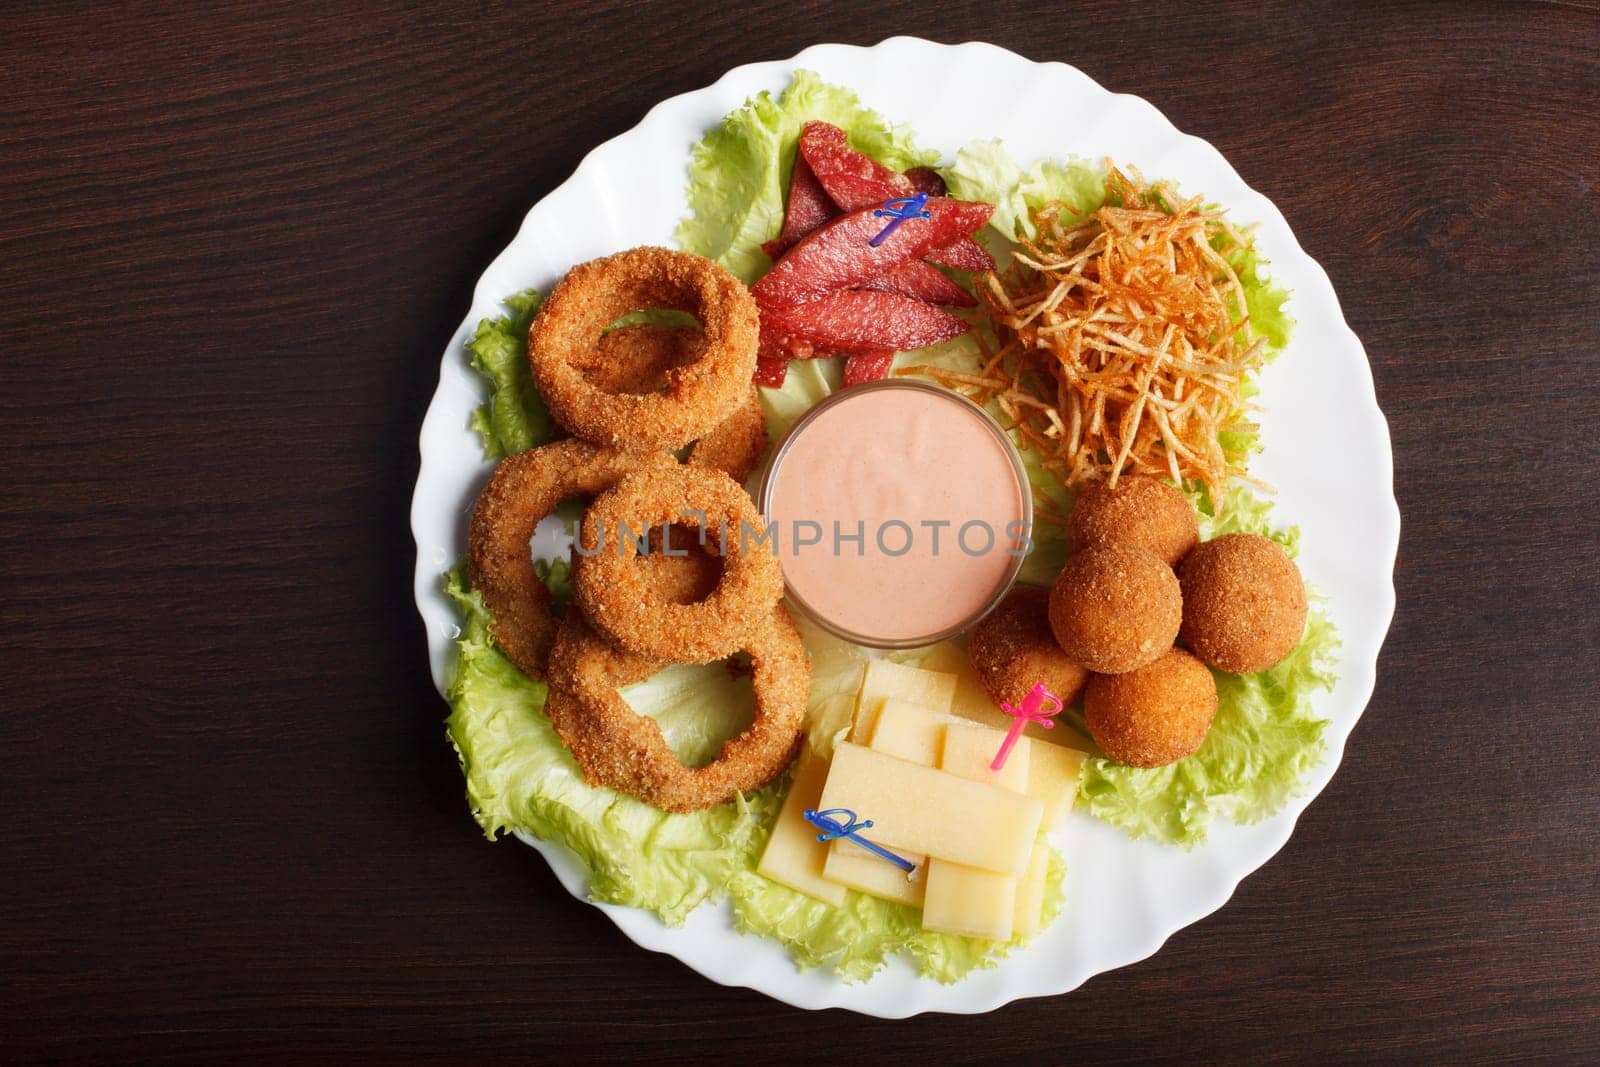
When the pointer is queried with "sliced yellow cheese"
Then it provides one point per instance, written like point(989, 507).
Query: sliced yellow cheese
point(947, 657)
point(910, 732)
point(865, 721)
point(884, 679)
point(939, 815)
point(794, 856)
point(1053, 779)
point(1029, 912)
point(988, 715)
point(1047, 773)
point(967, 901)
point(875, 876)
point(969, 749)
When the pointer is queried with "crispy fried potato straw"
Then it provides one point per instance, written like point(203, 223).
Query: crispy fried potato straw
point(604, 585)
point(1124, 339)
point(617, 747)
point(524, 489)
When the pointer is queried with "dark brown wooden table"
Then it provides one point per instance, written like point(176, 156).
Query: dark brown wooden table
point(235, 241)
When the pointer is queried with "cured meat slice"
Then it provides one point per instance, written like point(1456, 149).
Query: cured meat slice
point(868, 366)
point(863, 319)
point(962, 254)
point(855, 181)
point(852, 180)
point(771, 372)
point(925, 180)
point(839, 256)
point(921, 282)
point(808, 208)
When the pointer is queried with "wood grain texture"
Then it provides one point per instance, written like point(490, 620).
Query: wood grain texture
point(235, 242)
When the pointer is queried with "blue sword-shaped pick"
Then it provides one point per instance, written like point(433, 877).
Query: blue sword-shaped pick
point(897, 211)
point(850, 830)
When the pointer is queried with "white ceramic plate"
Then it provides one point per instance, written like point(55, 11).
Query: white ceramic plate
point(1326, 448)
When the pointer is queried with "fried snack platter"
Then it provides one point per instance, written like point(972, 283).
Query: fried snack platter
point(1326, 452)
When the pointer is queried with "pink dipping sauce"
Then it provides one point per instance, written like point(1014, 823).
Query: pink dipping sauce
point(935, 489)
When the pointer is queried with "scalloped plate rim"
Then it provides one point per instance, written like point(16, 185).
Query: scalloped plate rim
point(1358, 672)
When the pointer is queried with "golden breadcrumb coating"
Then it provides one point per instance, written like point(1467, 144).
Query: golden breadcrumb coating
point(697, 395)
point(1154, 715)
point(1012, 648)
point(1139, 511)
point(604, 585)
point(524, 489)
point(1244, 604)
point(617, 747)
point(1115, 608)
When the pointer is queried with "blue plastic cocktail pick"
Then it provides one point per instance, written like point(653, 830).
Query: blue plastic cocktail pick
point(850, 830)
point(899, 210)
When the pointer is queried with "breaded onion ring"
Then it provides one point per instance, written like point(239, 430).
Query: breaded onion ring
point(679, 571)
point(698, 395)
point(617, 747)
point(636, 359)
point(524, 489)
point(739, 442)
point(603, 585)
point(1013, 648)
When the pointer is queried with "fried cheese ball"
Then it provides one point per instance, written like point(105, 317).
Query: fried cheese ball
point(1155, 715)
point(1115, 608)
point(1012, 648)
point(1244, 604)
point(1139, 511)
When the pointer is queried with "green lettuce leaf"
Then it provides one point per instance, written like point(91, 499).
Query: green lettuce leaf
point(857, 939)
point(655, 317)
point(739, 172)
point(1264, 299)
point(556, 574)
point(521, 777)
point(836, 670)
point(984, 170)
point(1264, 740)
point(513, 419)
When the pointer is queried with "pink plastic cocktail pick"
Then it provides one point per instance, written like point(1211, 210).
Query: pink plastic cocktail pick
point(1038, 706)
